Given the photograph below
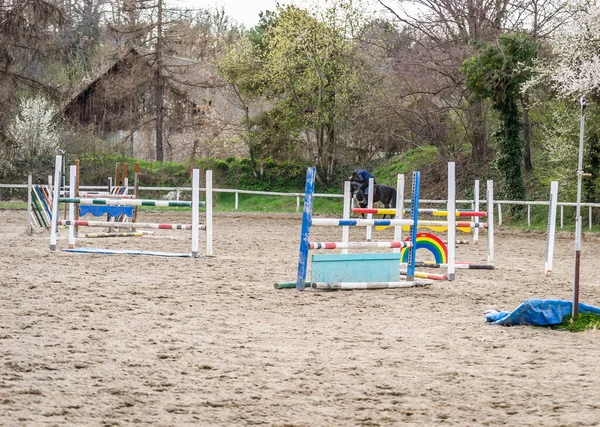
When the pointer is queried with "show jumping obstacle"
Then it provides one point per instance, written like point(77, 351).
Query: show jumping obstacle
point(353, 271)
point(466, 226)
point(40, 200)
point(72, 201)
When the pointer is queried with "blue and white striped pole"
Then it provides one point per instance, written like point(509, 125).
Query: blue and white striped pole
point(412, 254)
point(306, 222)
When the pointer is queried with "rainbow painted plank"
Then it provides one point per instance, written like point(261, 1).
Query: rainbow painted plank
point(357, 245)
point(125, 234)
point(442, 225)
point(128, 225)
point(433, 212)
point(433, 244)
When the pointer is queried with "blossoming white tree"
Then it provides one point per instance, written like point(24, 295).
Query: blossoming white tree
point(576, 68)
point(34, 133)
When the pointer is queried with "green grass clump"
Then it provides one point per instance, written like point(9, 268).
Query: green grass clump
point(584, 322)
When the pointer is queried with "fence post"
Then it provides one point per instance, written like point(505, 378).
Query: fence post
point(528, 215)
point(236, 200)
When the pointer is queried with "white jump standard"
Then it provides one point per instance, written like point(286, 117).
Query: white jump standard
point(72, 201)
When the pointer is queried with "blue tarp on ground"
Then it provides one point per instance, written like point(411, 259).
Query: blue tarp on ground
point(538, 312)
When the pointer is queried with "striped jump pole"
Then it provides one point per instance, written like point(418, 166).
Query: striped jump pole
point(112, 224)
point(458, 265)
point(433, 212)
point(306, 223)
point(104, 195)
point(128, 202)
point(358, 245)
point(414, 205)
point(368, 285)
point(124, 234)
point(360, 222)
point(423, 275)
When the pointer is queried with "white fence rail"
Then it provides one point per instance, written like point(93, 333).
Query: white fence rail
point(300, 196)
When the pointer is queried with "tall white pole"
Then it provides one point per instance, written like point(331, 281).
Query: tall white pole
point(476, 209)
point(490, 221)
point(72, 206)
point(54, 219)
point(370, 205)
point(29, 205)
point(451, 220)
point(399, 208)
point(551, 227)
point(575, 310)
point(195, 210)
point(209, 213)
point(346, 215)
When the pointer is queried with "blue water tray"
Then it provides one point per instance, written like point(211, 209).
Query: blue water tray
point(356, 267)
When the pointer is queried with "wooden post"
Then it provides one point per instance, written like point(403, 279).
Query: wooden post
point(136, 178)
point(117, 168)
point(125, 176)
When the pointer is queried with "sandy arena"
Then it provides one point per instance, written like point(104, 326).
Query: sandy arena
point(108, 340)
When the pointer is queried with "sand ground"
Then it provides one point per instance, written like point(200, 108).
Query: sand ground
point(106, 340)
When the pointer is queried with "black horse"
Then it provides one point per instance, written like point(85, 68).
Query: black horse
point(381, 193)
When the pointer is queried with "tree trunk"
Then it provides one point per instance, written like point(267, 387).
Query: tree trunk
point(159, 87)
point(477, 131)
point(526, 133)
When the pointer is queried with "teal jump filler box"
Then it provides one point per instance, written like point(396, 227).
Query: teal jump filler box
point(356, 268)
